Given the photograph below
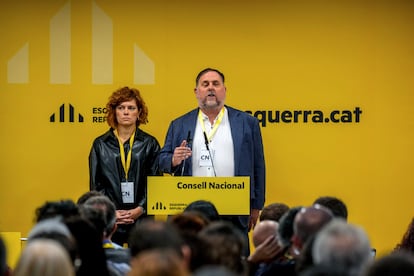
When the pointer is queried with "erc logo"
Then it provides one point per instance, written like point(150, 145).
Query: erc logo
point(62, 115)
point(159, 206)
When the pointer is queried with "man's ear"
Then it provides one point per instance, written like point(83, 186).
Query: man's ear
point(296, 244)
point(186, 250)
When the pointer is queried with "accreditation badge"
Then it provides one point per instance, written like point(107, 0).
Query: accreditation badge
point(127, 189)
point(205, 158)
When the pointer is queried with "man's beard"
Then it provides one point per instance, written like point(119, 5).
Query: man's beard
point(211, 104)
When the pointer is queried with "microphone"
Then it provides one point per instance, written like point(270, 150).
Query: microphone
point(189, 146)
point(189, 140)
point(209, 153)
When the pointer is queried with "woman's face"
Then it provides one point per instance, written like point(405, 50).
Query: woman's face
point(127, 113)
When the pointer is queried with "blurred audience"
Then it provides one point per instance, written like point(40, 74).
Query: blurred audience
point(90, 258)
point(87, 195)
point(224, 246)
point(214, 270)
point(207, 208)
point(61, 208)
point(400, 263)
point(285, 230)
point(160, 235)
point(343, 244)
point(264, 239)
point(336, 205)
point(189, 224)
point(101, 211)
point(55, 229)
point(305, 241)
point(308, 223)
point(44, 257)
point(158, 262)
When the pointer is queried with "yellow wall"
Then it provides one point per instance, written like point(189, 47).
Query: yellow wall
point(276, 55)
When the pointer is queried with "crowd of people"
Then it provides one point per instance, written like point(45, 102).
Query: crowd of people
point(75, 238)
point(107, 231)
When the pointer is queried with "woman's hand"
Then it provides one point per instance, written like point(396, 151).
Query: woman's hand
point(128, 216)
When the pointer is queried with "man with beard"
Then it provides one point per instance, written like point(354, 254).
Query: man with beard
point(216, 140)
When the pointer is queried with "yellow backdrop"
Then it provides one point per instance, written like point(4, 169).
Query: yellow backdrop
point(331, 82)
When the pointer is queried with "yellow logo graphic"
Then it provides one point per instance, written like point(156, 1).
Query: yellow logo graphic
point(159, 206)
point(62, 117)
point(60, 52)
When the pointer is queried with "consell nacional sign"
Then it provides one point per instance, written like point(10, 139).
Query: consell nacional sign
point(168, 195)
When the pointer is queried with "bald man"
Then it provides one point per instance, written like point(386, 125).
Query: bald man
point(264, 239)
point(263, 230)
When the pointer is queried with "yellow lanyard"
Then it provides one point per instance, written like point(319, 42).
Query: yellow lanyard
point(216, 124)
point(126, 164)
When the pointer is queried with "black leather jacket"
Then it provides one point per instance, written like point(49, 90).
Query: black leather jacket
point(106, 172)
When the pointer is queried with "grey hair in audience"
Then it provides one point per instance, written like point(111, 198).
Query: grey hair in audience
point(49, 226)
point(345, 245)
point(54, 229)
point(44, 257)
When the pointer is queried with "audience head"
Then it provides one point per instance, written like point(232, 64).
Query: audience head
point(155, 234)
point(54, 229)
point(158, 262)
point(343, 244)
point(308, 221)
point(407, 241)
point(62, 208)
point(94, 216)
point(44, 257)
point(89, 244)
point(263, 230)
point(205, 207)
point(105, 206)
point(189, 223)
point(336, 205)
point(224, 245)
point(399, 263)
point(273, 211)
point(285, 230)
point(84, 197)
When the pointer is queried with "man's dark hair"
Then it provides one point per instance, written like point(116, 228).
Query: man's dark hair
point(273, 211)
point(50, 209)
point(209, 70)
point(285, 230)
point(336, 205)
point(207, 208)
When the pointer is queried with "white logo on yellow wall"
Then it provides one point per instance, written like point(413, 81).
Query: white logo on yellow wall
point(60, 52)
